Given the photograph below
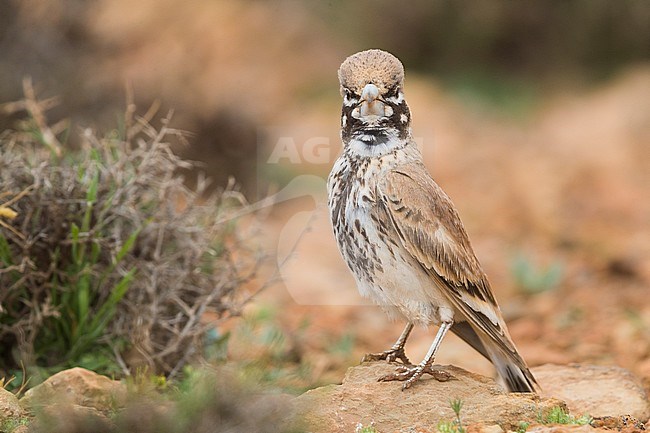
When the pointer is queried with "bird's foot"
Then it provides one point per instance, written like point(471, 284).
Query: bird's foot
point(409, 374)
point(390, 355)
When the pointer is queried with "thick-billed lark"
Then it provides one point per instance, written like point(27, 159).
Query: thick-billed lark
point(401, 235)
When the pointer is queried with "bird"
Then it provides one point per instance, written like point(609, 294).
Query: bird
point(400, 234)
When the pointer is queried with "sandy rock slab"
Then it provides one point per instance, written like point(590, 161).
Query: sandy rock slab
point(78, 389)
point(362, 399)
point(597, 391)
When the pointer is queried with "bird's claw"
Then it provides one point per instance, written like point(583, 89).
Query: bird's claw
point(409, 374)
point(390, 355)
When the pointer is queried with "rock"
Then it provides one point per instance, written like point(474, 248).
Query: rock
point(594, 390)
point(77, 386)
point(568, 428)
point(362, 399)
point(625, 422)
point(9, 405)
point(482, 428)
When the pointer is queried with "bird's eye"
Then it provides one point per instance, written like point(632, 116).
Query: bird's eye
point(348, 97)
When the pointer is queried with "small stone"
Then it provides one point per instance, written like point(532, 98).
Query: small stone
point(618, 423)
point(495, 428)
point(566, 428)
point(77, 386)
point(482, 428)
point(9, 405)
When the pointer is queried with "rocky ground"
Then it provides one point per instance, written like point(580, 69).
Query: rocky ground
point(590, 399)
point(602, 393)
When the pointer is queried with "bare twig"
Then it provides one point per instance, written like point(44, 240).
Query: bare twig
point(36, 110)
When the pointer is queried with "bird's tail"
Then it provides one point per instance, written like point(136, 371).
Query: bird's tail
point(512, 369)
point(510, 365)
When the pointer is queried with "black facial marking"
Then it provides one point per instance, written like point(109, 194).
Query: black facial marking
point(378, 133)
point(392, 92)
point(373, 137)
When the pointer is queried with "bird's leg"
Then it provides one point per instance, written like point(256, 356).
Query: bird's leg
point(410, 374)
point(396, 351)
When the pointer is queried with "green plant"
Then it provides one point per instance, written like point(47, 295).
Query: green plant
point(558, 415)
point(107, 260)
point(360, 428)
point(532, 279)
point(523, 426)
point(84, 290)
point(8, 425)
point(455, 426)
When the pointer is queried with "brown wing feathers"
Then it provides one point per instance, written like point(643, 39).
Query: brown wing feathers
point(432, 232)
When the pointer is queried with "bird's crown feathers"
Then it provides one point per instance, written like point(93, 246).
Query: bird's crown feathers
point(382, 69)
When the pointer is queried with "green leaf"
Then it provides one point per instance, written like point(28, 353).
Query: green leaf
point(5, 252)
point(91, 198)
point(95, 252)
point(83, 299)
point(117, 293)
point(74, 231)
point(128, 246)
point(95, 155)
point(120, 289)
point(101, 319)
point(91, 194)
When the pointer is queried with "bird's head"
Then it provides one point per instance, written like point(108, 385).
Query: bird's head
point(375, 117)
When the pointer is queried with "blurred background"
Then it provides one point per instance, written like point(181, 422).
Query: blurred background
point(533, 116)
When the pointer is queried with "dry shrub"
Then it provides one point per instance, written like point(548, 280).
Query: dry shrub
point(107, 260)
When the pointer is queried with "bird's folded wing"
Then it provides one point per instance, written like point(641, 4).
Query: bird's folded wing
point(430, 229)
